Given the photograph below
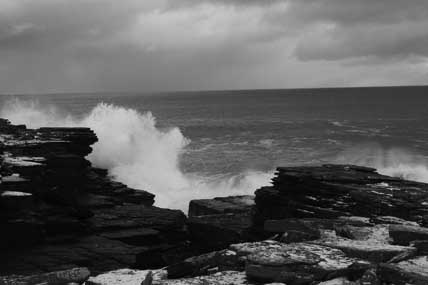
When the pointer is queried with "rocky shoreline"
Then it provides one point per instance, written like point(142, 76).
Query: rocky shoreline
point(64, 221)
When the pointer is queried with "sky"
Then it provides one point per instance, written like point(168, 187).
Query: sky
point(49, 46)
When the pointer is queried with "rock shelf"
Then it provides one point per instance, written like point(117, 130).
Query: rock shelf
point(65, 221)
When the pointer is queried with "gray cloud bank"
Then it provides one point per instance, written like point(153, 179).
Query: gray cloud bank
point(133, 45)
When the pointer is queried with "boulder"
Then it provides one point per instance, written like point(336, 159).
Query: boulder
point(332, 191)
point(221, 205)
point(70, 276)
point(338, 281)
point(292, 230)
point(220, 230)
point(224, 260)
point(375, 234)
point(404, 234)
point(412, 271)
point(421, 246)
point(219, 278)
point(126, 277)
point(366, 250)
point(270, 261)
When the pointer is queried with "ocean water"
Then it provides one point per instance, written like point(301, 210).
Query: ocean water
point(187, 145)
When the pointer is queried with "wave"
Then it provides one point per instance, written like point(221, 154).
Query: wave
point(394, 161)
point(267, 143)
point(138, 153)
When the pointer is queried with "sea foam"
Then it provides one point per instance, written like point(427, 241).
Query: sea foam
point(138, 153)
point(392, 161)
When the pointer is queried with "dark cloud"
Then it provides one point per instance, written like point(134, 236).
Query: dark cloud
point(90, 45)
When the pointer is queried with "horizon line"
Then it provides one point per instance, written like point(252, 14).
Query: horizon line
point(62, 93)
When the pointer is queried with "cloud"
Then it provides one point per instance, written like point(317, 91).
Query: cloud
point(337, 29)
point(151, 45)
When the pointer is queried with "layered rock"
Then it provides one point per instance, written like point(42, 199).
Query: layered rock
point(331, 224)
point(59, 212)
point(219, 222)
point(331, 191)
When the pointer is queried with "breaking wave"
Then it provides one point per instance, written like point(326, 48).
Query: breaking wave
point(393, 161)
point(138, 153)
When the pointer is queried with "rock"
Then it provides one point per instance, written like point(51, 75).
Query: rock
point(16, 200)
point(75, 275)
point(367, 243)
point(413, 271)
point(224, 260)
point(363, 249)
point(126, 277)
point(75, 214)
point(332, 191)
point(421, 246)
point(219, 231)
point(293, 230)
point(369, 278)
point(270, 261)
point(221, 205)
point(338, 281)
point(355, 221)
point(148, 280)
point(220, 278)
point(378, 233)
point(97, 253)
point(135, 236)
point(136, 216)
point(392, 220)
point(404, 234)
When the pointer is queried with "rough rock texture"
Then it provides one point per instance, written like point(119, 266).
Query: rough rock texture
point(413, 271)
point(70, 276)
point(371, 250)
point(330, 191)
point(126, 277)
point(289, 263)
point(219, 222)
point(58, 212)
point(204, 264)
point(158, 277)
point(219, 278)
point(331, 224)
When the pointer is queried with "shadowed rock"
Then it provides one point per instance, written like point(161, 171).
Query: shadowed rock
point(59, 212)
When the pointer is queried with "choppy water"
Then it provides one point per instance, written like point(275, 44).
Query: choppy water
point(214, 143)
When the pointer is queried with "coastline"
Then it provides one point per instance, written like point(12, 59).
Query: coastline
point(322, 223)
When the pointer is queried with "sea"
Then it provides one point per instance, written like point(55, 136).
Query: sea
point(189, 145)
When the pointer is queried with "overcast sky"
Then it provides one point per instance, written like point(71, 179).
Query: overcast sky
point(155, 45)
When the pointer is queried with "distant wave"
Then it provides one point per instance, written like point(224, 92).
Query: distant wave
point(138, 153)
point(337, 123)
point(267, 143)
point(397, 162)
